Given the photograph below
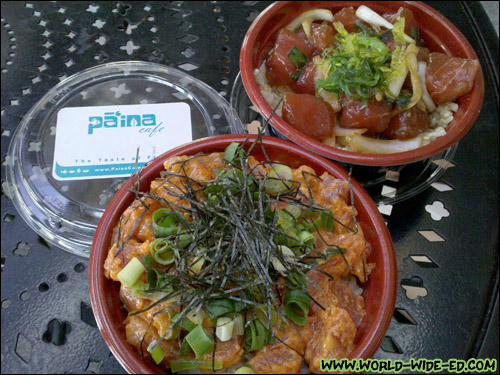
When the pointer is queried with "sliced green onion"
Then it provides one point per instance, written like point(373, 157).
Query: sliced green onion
point(333, 251)
point(251, 338)
point(156, 353)
point(233, 180)
point(297, 57)
point(307, 238)
point(162, 252)
point(198, 264)
point(296, 300)
point(137, 290)
point(327, 221)
point(247, 369)
point(196, 318)
point(287, 254)
point(165, 222)
point(297, 279)
point(295, 211)
point(256, 336)
point(148, 261)
point(174, 334)
point(277, 177)
point(239, 328)
point(157, 279)
point(189, 364)
point(175, 331)
point(240, 305)
point(211, 190)
point(200, 341)
point(230, 151)
point(131, 272)
point(187, 324)
point(261, 315)
point(185, 349)
point(296, 75)
point(300, 228)
point(184, 240)
point(218, 307)
point(324, 220)
point(286, 222)
point(224, 328)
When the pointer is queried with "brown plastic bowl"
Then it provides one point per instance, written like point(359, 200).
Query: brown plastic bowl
point(439, 35)
point(379, 292)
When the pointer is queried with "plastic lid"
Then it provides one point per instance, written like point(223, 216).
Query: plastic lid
point(66, 213)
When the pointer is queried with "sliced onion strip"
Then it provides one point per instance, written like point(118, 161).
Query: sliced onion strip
point(307, 18)
point(359, 143)
point(429, 103)
point(412, 64)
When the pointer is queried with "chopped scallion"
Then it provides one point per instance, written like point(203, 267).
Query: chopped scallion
point(198, 264)
point(219, 307)
point(256, 336)
point(297, 279)
point(162, 252)
point(137, 290)
point(175, 331)
point(165, 222)
point(239, 328)
point(185, 349)
point(148, 261)
point(324, 220)
point(307, 238)
point(296, 75)
point(196, 318)
point(200, 341)
point(261, 315)
point(131, 272)
point(333, 251)
point(287, 254)
point(156, 353)
point(247, 369)
point(187, 324)
point(297, 57)
point(277, 179)
point(297, 302)
point(230, 151)
point(295, 211)
point(189, 364)
point(224, 328)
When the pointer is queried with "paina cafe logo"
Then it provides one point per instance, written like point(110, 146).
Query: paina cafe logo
point(145, 122)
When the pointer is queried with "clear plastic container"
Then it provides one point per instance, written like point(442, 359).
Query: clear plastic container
point(66, 213)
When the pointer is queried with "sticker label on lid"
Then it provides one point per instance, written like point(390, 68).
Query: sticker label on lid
point(105, 141)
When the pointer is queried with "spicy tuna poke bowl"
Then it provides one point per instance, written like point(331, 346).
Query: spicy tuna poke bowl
point(244, 255)
point(380, 83)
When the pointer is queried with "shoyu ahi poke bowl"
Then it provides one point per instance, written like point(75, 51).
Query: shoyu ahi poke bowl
point(245, 254)
point(368, 83)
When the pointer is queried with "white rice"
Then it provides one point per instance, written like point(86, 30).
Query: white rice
point(273, 95)
point(440, 119)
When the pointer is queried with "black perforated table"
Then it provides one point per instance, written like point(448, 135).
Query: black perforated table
point(446, 238)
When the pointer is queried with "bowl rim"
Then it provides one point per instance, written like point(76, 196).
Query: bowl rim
point(452, 135)
point(372, 338)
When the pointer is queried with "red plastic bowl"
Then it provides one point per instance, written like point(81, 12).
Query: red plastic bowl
point(379, 292)
point(439, 35)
